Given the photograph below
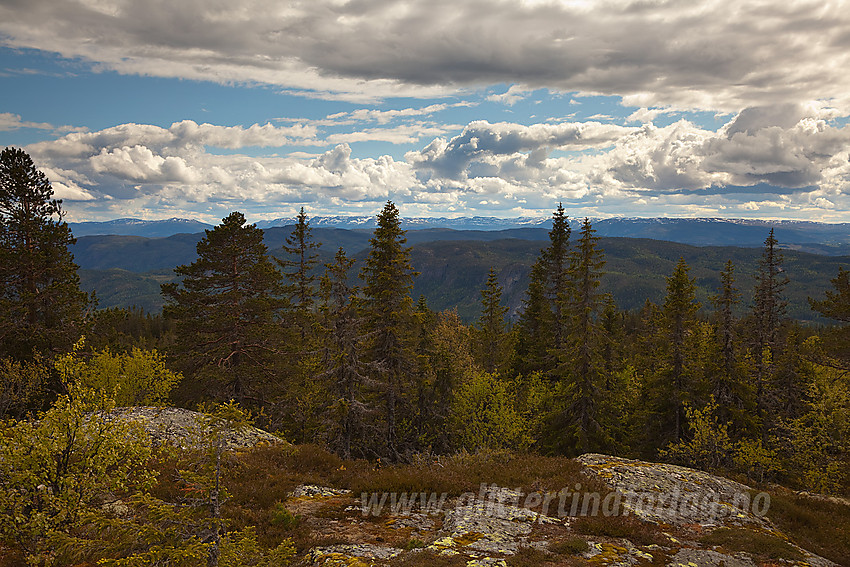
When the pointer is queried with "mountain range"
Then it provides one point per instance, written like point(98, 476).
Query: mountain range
point(453, 266)
point(822, 238)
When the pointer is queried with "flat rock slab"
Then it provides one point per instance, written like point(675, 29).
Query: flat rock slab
point(356, 555)
point(674, 495)
point(182, 427)
point(708, 558)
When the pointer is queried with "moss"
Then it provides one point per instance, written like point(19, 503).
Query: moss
point(568, 546)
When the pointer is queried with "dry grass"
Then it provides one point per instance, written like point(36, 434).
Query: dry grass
point(818, 526)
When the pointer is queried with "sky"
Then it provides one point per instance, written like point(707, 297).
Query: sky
point(641, 108)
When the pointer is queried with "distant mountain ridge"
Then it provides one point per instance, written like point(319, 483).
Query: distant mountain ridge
point(807, 236)
point(139, 227)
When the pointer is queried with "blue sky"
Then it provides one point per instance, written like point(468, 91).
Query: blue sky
point(156, 109)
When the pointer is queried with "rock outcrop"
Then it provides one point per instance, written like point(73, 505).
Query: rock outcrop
point(181, 427)
point(679, 505)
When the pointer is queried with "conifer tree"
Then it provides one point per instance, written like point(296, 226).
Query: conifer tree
point(680, 307)
point(534, 328)
point(388, 279)
point(227, 306)
point(41, 304)
point(344, 347)
point(729, 387)
point(768, 312)
point(297, 268)
point(581, 362)
point(492, 326)
point(542, 324)
point(836, 305)
point(557, 259)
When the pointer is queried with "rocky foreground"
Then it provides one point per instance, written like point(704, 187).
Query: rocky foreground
point(650, 514)
point(681, 505)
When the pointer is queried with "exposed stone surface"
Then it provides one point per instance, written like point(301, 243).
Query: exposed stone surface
point(357, 555)
point(708, 558)
point(313, 491)
point(181, 426)
point(675, 495)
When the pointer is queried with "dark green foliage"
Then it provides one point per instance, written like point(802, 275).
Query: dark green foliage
point(836, 306)
point(298, 271)
point(41, 304)
point(680, 307)
point(581, 366)
point(387, 280)
point(492, 327)
point(226, 310)
point(345, 371)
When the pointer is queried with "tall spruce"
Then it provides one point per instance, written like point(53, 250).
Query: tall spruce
point(542, 325)
point(226, 309)
point(724, 302)
point(728, 383)
point(298, 266)
point(345, 370)
point(680, 307)
point(534, 327)
point(581, 355)
point(387, 281)
point(41, 305)
point(492, 326)
point(557, 260)
point(768, 313)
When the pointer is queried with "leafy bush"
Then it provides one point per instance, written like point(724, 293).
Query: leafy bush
point(139, 378)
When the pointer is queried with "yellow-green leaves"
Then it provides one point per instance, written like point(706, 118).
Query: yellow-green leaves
point(138, 378)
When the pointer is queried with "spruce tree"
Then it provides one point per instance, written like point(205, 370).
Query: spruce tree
point(557, 259)
point(729, 388)
point(388, 279)
point(344, 345)
point(298, 266)
point(680, 307)
point(534, 328)
point(581, 363)
point(226, 309)
point(492, 327)
point(836, 305)
point(41, 305)
point(768, 314)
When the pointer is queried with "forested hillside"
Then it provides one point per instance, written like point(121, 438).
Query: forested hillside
point(126, 271)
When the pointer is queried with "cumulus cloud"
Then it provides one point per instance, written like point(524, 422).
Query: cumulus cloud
point(761, 161)
point(710, 54)
point(10, 122)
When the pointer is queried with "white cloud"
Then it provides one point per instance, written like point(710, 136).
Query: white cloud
point(10, 122)
point(759, 161)
point(709, 54)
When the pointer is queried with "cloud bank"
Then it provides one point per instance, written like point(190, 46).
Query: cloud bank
point(752, 165)
point(707, 54)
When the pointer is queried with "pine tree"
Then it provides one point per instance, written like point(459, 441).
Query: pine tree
point(226, 309)
point(492, 326)
point(724, 303)
point(680, 307)
point(41, 305)
point(388, 279)
point(542, 324)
